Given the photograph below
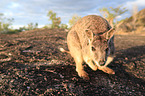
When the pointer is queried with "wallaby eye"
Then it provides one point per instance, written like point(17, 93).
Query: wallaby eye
point(93, 49)
point(105, 41)
point(107, 49)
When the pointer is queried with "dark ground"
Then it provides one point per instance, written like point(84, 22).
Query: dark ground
point(37, 67)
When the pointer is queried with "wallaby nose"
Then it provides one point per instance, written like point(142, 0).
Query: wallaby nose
point(102, 62)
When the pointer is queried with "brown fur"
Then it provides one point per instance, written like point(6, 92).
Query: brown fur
point(91, 40)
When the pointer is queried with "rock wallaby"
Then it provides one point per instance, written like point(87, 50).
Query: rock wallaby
point(91, 40)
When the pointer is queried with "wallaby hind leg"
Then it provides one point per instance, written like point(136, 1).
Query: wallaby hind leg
point(75, 51)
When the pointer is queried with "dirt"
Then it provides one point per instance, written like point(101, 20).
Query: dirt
point(31, 64)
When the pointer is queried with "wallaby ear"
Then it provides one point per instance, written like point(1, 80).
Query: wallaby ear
point(109, 33)
point(89, 34)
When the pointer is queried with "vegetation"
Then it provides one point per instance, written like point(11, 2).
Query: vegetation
point(64, 26)
point(54, 19)
point(5, 23)
point(73, 20)
point(30, 26)
point(112, 13)
point(135, 23)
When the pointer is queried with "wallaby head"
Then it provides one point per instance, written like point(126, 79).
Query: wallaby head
point(99, 45)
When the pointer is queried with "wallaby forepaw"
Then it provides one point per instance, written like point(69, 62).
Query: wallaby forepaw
point(111, 72)
point(107, 70)
point(84, 75)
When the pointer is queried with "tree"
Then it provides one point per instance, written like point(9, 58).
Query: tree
point(54, 19)
point(74, 19)
point(63, 26)
point(112, 13)
point(32, 26)
point(5, 23)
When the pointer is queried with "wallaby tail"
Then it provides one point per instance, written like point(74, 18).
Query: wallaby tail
point(62, 50)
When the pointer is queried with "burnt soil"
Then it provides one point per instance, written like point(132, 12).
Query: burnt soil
point(37, 67)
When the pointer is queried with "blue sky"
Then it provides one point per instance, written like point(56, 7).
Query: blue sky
point(35, 11)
